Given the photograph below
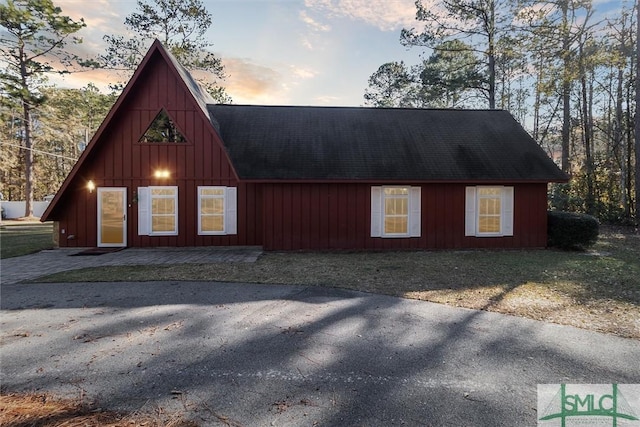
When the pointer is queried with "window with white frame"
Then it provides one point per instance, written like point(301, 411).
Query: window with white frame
point(489, 211)
point(158, 211)
point(216, 210)
point(164, 210)
point(395, 211)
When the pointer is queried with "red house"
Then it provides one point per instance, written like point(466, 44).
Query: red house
point(167, 167)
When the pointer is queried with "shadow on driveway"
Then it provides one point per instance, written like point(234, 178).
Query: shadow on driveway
point(287, 355)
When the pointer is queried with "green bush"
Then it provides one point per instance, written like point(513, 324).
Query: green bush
point(568, 230)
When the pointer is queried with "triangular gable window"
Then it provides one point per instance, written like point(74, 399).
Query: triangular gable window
point(162, 129)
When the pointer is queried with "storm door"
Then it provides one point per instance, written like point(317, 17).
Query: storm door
point(112, 217)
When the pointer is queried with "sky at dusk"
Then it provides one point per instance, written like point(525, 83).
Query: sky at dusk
point(286, 52)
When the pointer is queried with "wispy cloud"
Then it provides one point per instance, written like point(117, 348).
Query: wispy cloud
point(100, 78)
point(303, 73)
point(311, 38)
point(386, 15)
point(253, 83)
point(108, 21)
point(250, 83)
point(306, 43)
point(312, 23)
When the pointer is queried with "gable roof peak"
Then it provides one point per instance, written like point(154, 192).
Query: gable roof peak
point(199, 94)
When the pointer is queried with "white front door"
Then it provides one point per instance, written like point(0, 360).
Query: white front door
point(112, 217)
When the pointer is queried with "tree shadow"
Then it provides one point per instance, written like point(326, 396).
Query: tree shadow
point(274, 355)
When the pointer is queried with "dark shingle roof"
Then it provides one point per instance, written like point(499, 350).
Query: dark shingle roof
point(200, 94)
point(340, 143)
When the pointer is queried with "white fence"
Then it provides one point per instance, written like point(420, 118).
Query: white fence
point(16, 209)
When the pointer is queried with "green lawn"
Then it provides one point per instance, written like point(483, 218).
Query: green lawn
point(23, 237)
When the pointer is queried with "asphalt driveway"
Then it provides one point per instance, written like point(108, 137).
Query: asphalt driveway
point(254, 355)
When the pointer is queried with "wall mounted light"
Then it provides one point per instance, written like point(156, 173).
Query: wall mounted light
point(161, 173)
point(91, 186)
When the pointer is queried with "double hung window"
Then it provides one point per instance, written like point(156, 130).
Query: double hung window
point(216, 210)
point(158, 211)
point(489, 211)
point(395, 211)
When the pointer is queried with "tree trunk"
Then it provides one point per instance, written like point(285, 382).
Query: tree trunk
point(628, 141)
point(619, 143)
point(28, 143)
point(587, 131)
point(28, 160)
point(566, 89)
point(536, 103)
point(492, 56)
point(566, 126)
point(637, 113)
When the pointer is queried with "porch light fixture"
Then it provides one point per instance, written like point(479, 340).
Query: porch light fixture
point(161, 173)
point(91, 186)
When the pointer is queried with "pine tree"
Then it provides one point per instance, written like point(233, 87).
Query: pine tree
point(34, 44)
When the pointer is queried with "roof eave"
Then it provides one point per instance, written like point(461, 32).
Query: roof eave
point(401, 181)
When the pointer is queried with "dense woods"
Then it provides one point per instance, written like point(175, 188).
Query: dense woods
point(566, 72)
point(61, 129)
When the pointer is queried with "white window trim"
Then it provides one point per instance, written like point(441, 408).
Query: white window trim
point(229, 200)
point(377, 212)
point(175, 216)
point(472, 213)
point(145, 214)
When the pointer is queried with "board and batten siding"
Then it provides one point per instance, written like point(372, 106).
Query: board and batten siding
point(275, 215)
point(338, 216)
point(119, 160)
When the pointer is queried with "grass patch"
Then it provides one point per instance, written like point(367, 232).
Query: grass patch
point(19, 238)
point(598, 289)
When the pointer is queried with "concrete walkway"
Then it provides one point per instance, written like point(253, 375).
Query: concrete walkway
point(29, 267)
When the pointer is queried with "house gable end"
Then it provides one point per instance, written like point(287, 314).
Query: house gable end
point(158, 83)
